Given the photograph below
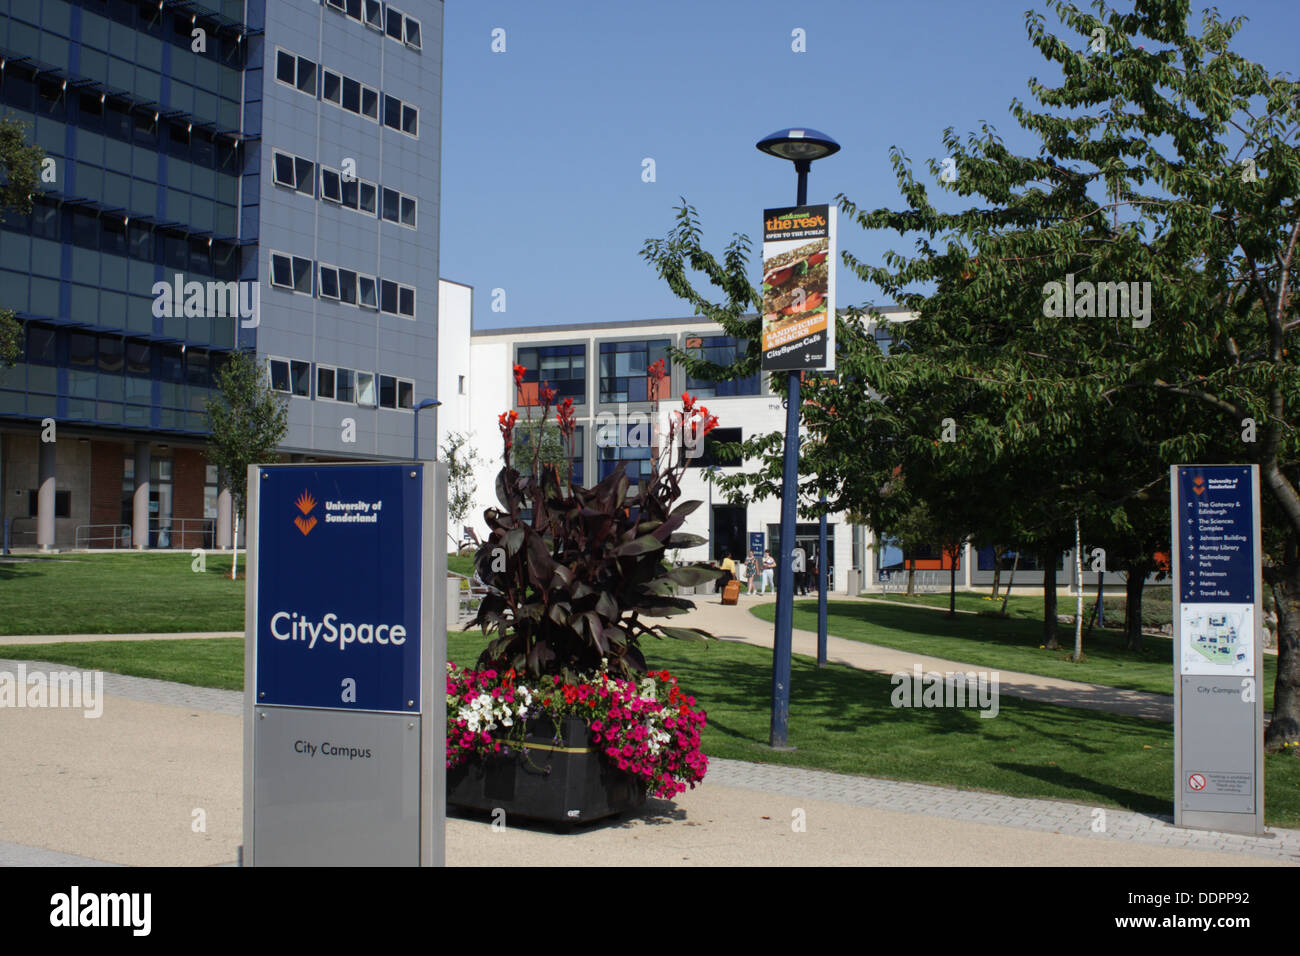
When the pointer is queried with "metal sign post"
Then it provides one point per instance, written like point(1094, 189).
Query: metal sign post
point(1218, 654)
point(344, 664)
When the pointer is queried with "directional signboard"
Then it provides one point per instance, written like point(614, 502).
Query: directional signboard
point(1218, 658)
point(343, 732)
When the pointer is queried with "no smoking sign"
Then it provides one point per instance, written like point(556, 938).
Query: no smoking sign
point(1196, 782)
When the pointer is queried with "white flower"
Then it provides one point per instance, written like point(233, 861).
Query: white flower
point(507, 721)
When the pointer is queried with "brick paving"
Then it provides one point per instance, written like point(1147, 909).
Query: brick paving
point(1050, 816)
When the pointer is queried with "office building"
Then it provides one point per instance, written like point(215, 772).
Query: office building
point(225, 174)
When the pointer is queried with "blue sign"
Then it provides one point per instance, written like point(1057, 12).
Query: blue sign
point(1215, 540)
point(339, 587)
point(757, 543)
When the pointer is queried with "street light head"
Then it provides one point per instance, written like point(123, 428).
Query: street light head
point(427, 403)
point(798, 143)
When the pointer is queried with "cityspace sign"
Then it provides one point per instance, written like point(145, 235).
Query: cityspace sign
point(344, 710)
point(799, 289)
point(1218, 656)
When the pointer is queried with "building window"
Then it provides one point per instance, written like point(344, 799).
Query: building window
point(343, 385)
point(460, 384)
point(332, 87)
point(300, 375)
point(348, 286)
point(392, 111)
point(351, 95)
point(62, 503)
point(366, 292)
point(394, 24)
point(406, 301)
point(708, 456)
point(291, 272)
point(331, 185)
point(410, 120)
point(324, 382)
point(413, 33)
point(624, 370)
point(627, 444)
point(562, 367)
point(296, 71)
point(405, 393)
point(366, 389)
point(374, 14)
point(279, 369)
point(721, 350)
point(368, 193)
point(387, 391)
point(329, 282)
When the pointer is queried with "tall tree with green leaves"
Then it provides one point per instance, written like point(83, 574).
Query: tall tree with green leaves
point(461, 458)
point(20, 169)
point(248, 420)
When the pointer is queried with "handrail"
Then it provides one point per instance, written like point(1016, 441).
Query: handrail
point(116, 538)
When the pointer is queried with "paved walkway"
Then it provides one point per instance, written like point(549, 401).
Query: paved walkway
point(126, 788)
point(737, 623)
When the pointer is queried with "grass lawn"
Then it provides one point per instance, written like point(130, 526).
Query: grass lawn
point(153, 593)
point(1011, 644)
point(120, 594)
point(840, 720)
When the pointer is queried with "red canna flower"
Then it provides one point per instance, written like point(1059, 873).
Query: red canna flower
point(546, 393)
point(688, 401)
point(519, 375)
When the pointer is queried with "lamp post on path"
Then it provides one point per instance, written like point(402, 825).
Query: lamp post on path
point(802, 146)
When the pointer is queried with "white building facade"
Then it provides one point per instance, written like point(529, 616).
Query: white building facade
point(605, 370)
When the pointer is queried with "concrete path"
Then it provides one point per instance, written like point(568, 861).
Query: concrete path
point(737, 623)
point(157, 780)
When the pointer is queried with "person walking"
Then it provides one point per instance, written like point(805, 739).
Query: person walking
point(751, 573)
point(801, 570)
point(729, 566)
point(769, 566)
point(812, 575)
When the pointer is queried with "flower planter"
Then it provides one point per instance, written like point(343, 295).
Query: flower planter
point(559, 779)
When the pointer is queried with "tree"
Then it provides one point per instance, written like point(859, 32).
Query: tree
point(540, 438)
point(461, 460)
point(20, 164)
point(248, 420)
point(1172, 171)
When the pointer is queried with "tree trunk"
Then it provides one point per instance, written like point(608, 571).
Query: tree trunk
point(1006, 595)
point(911, 577)
point(1284, 728)
point(952, 584)
point(1049, 599)
point(1078, 595)
point(1136, 581)
point(997, 569)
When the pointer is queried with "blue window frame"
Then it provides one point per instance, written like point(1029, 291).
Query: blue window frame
point(562, 367)
point(720, 350)
point(625, 366)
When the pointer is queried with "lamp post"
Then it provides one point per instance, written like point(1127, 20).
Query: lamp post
point(801, 146)
point(424, 403)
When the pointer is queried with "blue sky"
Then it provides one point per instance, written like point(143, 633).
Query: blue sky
point(542, 190)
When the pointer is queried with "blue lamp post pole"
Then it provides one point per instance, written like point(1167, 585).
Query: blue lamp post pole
point(425, 403)
point(800, 146)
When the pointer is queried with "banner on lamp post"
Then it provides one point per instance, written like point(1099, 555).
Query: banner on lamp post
point(799, 288)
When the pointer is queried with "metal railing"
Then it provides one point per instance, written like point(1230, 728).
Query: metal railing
point(181, 534)
point(924, 582)
point(471, 594)
point(112, 536)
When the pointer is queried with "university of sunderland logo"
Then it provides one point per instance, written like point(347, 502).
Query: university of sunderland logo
point(1198, 484)
point(304, 522)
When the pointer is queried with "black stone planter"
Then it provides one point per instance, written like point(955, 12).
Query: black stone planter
point(559, 779)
